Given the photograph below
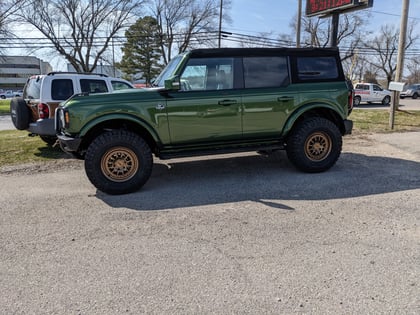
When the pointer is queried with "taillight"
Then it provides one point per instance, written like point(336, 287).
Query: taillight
point(350, 101)
point(43, 111)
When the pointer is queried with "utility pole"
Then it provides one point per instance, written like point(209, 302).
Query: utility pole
point(299, 23)
point(220, 23)
point(400, 59)
point(334, 29)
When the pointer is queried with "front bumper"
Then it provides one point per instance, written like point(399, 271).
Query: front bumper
point(69, 144)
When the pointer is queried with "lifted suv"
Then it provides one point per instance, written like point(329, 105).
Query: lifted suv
point(34, 111)
point(211, 101)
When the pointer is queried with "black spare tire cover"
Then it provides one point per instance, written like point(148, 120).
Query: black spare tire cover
point(19, 112)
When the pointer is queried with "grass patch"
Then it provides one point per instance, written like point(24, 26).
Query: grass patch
point(4, 107)
point(17, 147)
point(369, 121)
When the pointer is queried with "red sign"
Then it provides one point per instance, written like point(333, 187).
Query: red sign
point(316, 7)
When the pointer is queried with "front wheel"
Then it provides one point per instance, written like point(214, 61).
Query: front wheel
point(314, 145)
point(356, 101)
point(118, 162)
point(50, 140)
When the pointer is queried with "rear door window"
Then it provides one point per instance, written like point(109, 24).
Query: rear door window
point(265, 72)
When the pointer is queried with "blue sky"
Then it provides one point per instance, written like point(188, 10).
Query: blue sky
point(253, 17)
point(263, 16)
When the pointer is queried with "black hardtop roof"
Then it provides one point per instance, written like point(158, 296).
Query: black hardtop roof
point(241, 52)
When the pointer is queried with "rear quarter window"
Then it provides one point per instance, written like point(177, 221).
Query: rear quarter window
point(32, 89)
point(119, 85)
point(317, 68)
point(93, 86)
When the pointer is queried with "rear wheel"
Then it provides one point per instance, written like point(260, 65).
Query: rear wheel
point(118, 162)
point(19, 113)
point(314, 145)
point(415, 96)
point(386, 100)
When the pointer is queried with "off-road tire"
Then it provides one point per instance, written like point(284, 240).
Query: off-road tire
point(415, 96)
point(118, 162)
point(20, 113)
point(314, 145)
point(50, 140)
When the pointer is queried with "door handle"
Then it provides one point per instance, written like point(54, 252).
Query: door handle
point(227, 102)
point(284, 98)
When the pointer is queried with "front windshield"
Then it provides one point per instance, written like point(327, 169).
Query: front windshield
point(168, 71)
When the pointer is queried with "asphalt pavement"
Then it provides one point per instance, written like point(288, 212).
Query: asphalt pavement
point(230, 234)
point(6, 123)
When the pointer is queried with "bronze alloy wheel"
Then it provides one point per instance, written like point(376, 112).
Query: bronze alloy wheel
point(318, 146)
point(119, 164)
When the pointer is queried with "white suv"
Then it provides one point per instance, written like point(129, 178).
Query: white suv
point(42, 94)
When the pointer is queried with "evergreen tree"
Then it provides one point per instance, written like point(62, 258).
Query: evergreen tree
point(142, 52)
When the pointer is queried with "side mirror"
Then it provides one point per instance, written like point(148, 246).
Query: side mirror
point(173, 84)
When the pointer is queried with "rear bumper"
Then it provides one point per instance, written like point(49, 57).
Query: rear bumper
point(42, 127)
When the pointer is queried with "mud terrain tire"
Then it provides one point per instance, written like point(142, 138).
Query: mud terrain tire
point(314, 145)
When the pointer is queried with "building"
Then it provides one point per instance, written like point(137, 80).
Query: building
point(15, 70)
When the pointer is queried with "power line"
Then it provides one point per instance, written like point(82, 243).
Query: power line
point(393, 14)
point(197, 39)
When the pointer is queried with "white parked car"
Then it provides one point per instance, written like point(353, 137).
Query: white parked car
point(42, 94)
point(371, 93)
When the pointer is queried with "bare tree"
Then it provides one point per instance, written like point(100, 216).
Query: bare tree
point(7, 9)
point(185, 23)
point(385, 49)
point(317, 33)
point(80, 30)
point(413, 67)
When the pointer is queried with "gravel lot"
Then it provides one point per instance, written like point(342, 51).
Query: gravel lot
point(239, 234)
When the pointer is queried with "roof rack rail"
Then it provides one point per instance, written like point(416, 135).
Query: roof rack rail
point(74, 72)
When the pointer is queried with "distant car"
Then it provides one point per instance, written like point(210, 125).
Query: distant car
point(412, 91)
point(371, 93)
point(42, 94)
point(10, 94)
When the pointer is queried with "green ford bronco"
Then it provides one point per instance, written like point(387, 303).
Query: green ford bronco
point(210, 101)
